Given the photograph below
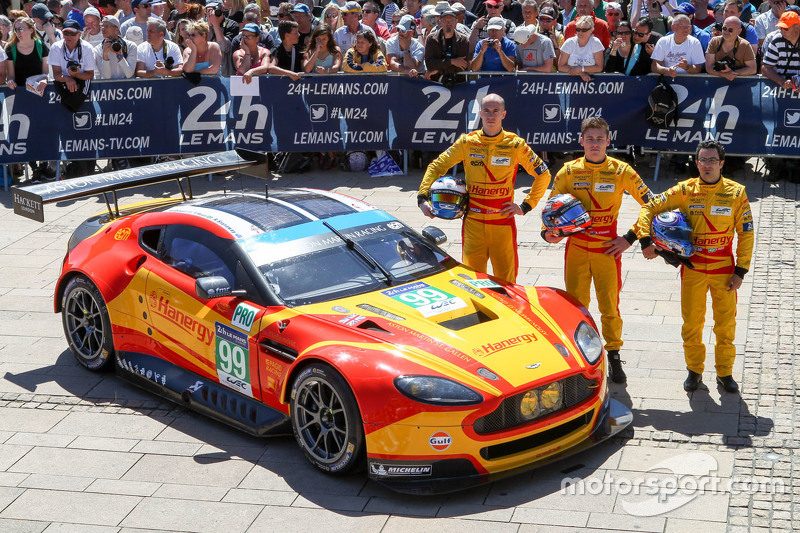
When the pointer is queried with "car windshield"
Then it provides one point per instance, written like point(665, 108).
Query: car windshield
point(316, 265)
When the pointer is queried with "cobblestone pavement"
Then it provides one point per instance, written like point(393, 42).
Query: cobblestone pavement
point(86, 452)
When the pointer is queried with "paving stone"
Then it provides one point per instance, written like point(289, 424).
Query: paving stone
point(46, 481)
point(119, 486)
point(12, 479)
point(34, 421)
point(66, 461)
point(275, 497)
point(300, 520)
point(626, 522)
point(106, 425)
point(550, 517)
point(401, 524)
point(72, 507)
point(8, 525)
point(179, 470)
point(200, 493)
point(156, 447)
point(79, 528)
point(187, 515)
point(103, 443)
point(10, 454)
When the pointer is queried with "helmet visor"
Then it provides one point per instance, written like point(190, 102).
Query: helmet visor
point(445, 197)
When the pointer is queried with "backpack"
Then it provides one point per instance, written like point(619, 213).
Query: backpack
point(663, 110)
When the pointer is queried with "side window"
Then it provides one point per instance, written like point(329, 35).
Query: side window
point(197, 253)
point(149, 238)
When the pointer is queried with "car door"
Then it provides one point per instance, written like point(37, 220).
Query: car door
point(215, 338)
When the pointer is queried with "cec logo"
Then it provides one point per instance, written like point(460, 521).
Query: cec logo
point(82, 120)
point(791, 118)
point(551, 113)
point(319, 112)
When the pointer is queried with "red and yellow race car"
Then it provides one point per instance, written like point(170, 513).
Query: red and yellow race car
point(312, 310)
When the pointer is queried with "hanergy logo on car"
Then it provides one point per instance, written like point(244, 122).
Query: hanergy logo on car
point(440, 441)
point(494, 347)
point(181, 319)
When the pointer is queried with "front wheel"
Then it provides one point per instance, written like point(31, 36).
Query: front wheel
point(326, 421)
point(86, 324)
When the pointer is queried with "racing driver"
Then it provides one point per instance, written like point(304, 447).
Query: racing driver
point(716, 207)
point(491, 157)
point(599, 181)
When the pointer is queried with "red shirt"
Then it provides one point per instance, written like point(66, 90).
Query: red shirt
point(600, 31)
point(706, 22)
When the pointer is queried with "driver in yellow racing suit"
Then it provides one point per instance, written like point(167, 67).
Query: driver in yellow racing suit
point(598, 182)
point(491, 157)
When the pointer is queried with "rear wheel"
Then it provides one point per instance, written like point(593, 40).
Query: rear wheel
point(86, 324)
point(326, 421)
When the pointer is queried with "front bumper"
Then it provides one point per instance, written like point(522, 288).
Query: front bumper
point(456, 474)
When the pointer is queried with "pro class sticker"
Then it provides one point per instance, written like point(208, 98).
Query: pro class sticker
point(429, 301)
point(243, 316)
point(232, 357)
point(483, 283)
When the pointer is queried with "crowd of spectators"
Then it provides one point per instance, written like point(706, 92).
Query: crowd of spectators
point(75, 41)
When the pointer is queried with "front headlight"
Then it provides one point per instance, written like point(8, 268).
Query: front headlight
point(435, 390)
point(589, 342)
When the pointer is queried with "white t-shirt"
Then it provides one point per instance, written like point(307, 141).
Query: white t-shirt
point(582, 56)
point(416, 48)
point(670, 54)
point(59, 56)
point(148, 56)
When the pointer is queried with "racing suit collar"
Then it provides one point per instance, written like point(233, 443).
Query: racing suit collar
point(709, 184)
point(595, 162)
point(499, 135)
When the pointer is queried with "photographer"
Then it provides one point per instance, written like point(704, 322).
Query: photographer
point(729, 55)
point(115, 57)
point(72, 61)
point(43, 20)
point(222, 31)
point(480, 30)
point(497, 52)
point(157, 57)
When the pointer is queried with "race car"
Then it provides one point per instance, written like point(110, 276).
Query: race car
point(310, 312)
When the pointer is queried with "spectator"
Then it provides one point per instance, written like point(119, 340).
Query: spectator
point(251, 58)
point(678, 52)
point(781, 60)
point(644, 34)
point(134, 35)
point(613, 15)
point(305, 22)
point(160, 11)
point(322, 56)
point(73, 66)
point(43, 21)
point(5, 30)
point(389, 8)
point(125, 11)
point(427, 22)
point(255, 9)
point(703, 17)
point(747, 11)
point(200, 55)
point(115, 57)
point(14, 14)
point(284, 13)
point(26, 55)
point(234, 10)
point(370, 17)
point(446, 50)
point(534, 51)
point(568, 9)
point(264, 38)
point(660, 24)
point(512, 10)
point(626, 56)
point(332, 16)
point(768, 22)
point(479, 30)
point(76, 13)
point(585, 8)
point(142, 10)
point(157, 57)
point(730, 55)
point(91, 28)
point(734, 9)
point(365, 55)
point(496, 52)
point(406, 54)
point(688, 10)
point(288, 55)
point(345, 36)
point(181, 35)
point(222, 30)
point(547, 27)
point(462, 20)
point(530, 13)
point(582, 54)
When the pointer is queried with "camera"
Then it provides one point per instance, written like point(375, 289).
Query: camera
point(169, 62)
point(218, 12)
point(116, 46)
point(546, 33)
point(724, 62)
point(73, 66)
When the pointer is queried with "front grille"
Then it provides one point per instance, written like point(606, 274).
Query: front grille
point(533, 441)
point(575, 388)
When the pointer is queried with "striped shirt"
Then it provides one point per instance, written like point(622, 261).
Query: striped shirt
point(783, 56)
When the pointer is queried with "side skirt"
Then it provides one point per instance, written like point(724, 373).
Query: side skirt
point(202, 395)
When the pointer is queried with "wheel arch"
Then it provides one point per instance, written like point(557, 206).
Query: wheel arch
point(64, 280)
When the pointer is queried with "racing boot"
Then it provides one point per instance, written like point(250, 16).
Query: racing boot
point(727, 383)
point(615, 371)
point(693, 381)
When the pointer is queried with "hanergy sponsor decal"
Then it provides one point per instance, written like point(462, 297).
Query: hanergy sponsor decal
point(494, 347)
point(440, 441)
point(186, 322)
point(385, 470)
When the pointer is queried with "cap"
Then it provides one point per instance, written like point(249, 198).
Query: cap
point(428, 10)
point(134, 33)
point(686, 8)
point(40, 11)
point(795, 9)
point(351, 7)
point(92, 12)
point(252, 7)
point(493, 2)
point(252, 27)
point(70, 24)
point(407, 23)
point(788, 19)
point(523, 33)
point(301, 8)
point(496, 23)
point(213, 4)
point(458, 7)
point(137, 3)
point(444, 8)
point(110, 19)
point(548, 12)
point(613, 5)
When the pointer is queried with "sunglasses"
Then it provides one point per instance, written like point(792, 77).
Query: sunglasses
point(728, 29)
point(494, 7)
point(546, 19)
point(20, 28)
point(69, 33)
point(331, 15)
point(613, 14)
point(192, 34)
point(368, 11)
point(622, 33)
point(641, 34)
point(583, 30)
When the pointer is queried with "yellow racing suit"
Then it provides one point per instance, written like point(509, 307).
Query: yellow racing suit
point(715, 212)
point(490, 170)
point(599, 187)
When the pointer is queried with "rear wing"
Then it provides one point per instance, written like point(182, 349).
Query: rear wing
point(29, 200)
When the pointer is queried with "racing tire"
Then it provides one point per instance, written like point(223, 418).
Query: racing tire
point(325, 420)
point(87, 327)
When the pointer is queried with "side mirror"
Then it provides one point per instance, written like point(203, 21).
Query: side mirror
point(434, 235)
point(212, 287)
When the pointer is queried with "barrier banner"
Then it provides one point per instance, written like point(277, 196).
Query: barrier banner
point(130, 118)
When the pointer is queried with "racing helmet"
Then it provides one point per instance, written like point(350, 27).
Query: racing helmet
point(449, 197)
point(671, 232)
point(565, 214)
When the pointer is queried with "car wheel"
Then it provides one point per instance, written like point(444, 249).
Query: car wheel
point(326, 421)
point(86, 324)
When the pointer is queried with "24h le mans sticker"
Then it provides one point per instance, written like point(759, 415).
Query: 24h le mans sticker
point(232, 356)
point(428, 300)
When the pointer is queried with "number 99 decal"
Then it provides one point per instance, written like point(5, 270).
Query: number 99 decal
point(232, 359)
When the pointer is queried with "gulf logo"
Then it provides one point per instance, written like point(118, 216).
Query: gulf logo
point(440, 441)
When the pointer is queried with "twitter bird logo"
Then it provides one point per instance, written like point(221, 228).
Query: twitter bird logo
point(551, 113)
point(319, 112)
point(792, 118)
point(82, 120)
